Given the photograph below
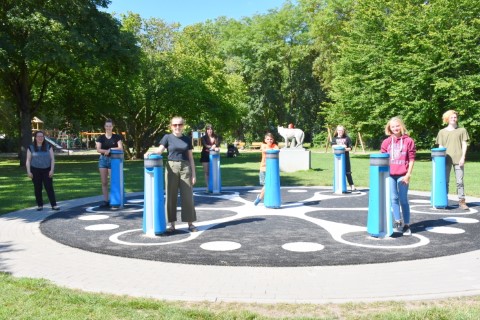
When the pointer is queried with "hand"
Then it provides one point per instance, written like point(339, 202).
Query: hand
point(30, 175)
point(50, 174)
point(194, 180)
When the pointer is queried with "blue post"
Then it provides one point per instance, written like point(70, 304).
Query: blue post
point(117, 194)
point(214, 176)
point(379, 222)
point(154, 219)
point(339, 178)
point(272, 180)
point(439, 198)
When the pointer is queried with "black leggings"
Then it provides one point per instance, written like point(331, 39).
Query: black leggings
point(41, 178)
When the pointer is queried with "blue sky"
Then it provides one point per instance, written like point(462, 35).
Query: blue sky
point(187, 12)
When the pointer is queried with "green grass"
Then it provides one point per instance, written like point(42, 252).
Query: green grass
point(77, 177)
point(24, 298)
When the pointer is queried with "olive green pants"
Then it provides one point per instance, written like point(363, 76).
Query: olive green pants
point(179, 177)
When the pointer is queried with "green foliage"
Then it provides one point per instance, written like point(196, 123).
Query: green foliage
point(410, 59)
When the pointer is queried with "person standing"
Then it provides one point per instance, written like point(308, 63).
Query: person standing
point(402, 151)
point(455, 140)
point(105, 143)
point(40, 166)
point(180, 174)
point(341, 138)
point(209, 143)
point(269, 144)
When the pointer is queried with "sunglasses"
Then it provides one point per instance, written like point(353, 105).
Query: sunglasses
point(177, 124)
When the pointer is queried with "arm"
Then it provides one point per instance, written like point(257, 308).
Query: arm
point(28, 162)
point(192, 166)
point(105, 152)
point(406, 178)
point(461, 163)
point(52, 162)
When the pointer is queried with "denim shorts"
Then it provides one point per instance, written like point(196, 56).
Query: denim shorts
point(261, 175)
point(104, 162)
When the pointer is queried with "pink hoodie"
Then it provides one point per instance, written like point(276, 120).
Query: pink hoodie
point(401, 154)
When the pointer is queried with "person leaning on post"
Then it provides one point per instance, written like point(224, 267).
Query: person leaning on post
point(454, 139)
point(104, 144)
point(180, 174)
point(209, 143)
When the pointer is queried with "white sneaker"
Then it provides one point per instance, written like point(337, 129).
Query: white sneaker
point(406, 230)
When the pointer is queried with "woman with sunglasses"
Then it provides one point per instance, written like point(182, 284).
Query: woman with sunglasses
point(180, 174)
point(40, 167)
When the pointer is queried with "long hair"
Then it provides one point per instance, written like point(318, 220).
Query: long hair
point(340, 128)
point(403, 129)
point(44, 143)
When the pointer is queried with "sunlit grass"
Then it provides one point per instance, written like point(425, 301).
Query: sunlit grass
point(77, 176)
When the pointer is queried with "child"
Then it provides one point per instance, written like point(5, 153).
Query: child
point(269, 143)
point(341, 138)
point(402, 157)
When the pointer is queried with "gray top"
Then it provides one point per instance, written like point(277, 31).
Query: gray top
point(177, 146)
point(40, 159)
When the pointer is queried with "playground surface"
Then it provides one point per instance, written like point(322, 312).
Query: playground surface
point(314, 249)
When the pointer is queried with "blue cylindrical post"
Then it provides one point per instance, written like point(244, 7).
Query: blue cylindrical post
point(154, 218)
point(439, 195)
point(117, 194)
point(214, 176)
point(339, 178)
point(272, 180)
point(379, 221)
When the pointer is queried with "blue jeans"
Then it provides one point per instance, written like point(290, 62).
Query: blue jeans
point(104, 162)
point(399, 198)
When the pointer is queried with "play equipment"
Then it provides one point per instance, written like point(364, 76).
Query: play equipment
point(117, 194)
point(154, 219)
point(379, 221)
point(439, 198)
point(272, 180)
point(339, 177)
point(214, 177)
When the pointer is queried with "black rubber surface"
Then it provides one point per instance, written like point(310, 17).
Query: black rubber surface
point(322, 228)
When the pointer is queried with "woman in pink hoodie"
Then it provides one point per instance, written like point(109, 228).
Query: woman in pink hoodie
point(402, 157)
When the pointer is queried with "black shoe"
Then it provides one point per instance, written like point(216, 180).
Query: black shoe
point(105, 204)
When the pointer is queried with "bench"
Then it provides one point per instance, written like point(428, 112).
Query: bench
point(256, 145)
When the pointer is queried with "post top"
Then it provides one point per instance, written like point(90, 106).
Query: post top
point(380, 155)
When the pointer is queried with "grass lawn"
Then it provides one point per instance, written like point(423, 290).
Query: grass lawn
point(77, 177)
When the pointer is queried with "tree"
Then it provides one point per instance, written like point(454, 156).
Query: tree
point(42, 40)
point(410, 58)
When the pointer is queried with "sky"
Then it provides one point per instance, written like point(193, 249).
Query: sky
point(188, 12)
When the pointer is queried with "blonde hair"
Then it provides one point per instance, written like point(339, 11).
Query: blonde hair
point(447, 114)
point(177, 118)
point(389, 132)
point(339, 127)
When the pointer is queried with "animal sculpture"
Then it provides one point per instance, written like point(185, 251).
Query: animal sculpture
point(294, 135)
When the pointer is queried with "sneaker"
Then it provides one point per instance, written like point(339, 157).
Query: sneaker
point(406, 230)
point(105, 204)
point(257, 201)
point(56, 208)
point(397, 226)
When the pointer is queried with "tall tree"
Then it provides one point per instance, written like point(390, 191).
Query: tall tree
point(412, 58)
point(41, 40)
